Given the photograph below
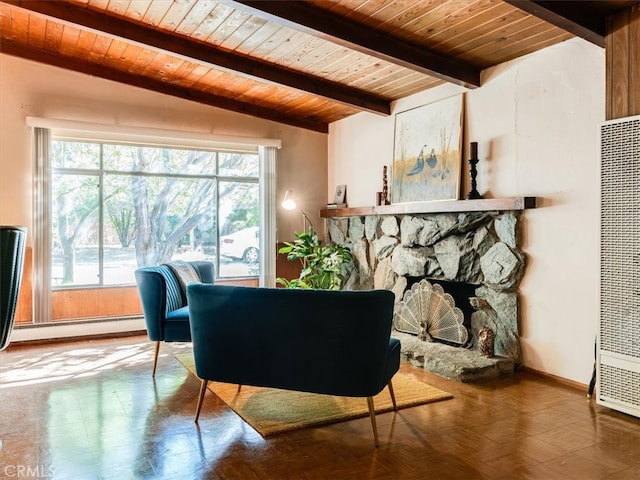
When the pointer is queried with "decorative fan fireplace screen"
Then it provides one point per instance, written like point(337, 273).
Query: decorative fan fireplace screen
point(430, 313)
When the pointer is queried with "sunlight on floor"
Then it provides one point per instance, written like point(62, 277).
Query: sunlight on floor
point(77, 362)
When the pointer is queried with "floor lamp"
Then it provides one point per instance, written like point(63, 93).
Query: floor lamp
point(288, 203)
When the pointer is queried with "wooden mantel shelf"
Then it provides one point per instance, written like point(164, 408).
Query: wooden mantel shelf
point(483, 205)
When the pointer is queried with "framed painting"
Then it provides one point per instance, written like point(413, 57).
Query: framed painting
point(427, 156)
point(341, 194)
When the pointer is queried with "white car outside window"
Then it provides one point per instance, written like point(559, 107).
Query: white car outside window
point(242, 244)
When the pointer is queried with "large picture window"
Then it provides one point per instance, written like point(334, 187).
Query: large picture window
point(118, 206)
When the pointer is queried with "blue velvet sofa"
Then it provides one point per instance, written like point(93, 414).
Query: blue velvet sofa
point(162, 292)
point(319, 341)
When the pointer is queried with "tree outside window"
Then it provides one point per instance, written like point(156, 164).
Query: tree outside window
point(117, 207)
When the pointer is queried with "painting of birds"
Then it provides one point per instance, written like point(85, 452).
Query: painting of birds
point(427, 152)
point(419, 165)
point(433, 160)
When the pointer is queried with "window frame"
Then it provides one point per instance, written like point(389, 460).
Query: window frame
point(101, 172)
point(44, 128)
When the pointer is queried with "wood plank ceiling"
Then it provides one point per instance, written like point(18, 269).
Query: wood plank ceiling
point(302, 63)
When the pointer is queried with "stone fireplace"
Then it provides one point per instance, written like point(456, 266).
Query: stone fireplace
point(476, 258)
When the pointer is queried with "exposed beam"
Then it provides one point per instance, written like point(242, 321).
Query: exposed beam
point(622, 55)
point(70, 63)
point(574, 17)
point(307, 18)
point(204, 53)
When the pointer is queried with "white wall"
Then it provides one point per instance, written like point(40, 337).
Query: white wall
point(536, 122)
point(32, 89)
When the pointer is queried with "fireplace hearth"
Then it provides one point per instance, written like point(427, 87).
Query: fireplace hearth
point(461, 364)
point(476, 258)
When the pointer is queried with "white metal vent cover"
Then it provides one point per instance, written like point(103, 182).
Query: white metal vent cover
point(619, 335)
point(620, 238)
point(620, 385)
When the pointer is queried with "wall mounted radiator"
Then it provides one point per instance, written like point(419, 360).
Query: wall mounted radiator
point(618, 359)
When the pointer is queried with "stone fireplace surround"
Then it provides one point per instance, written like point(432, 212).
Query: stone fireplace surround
point(471, 250)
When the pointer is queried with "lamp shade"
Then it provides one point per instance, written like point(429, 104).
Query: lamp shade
point(288, 202)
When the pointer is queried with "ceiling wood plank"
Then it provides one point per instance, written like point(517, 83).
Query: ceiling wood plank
point(160, 86)
point(535, 42)
point(507, 39)
point(217, 15)
point(18, 23)
point(570, 16)
point(191, 50)
point(258, 38)
point(155, 12)
point(101, 45)
point(401, 17)
point(484, 26)
point(173, 17)
point(37, 28)
point(84, 44)
point(69, 40)
point(310, 19)
point(137, 9)
point(196, 16)
point(100, 5)
point(118, 7)
point(247, 29)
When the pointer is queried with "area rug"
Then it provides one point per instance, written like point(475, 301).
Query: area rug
point(270, 411)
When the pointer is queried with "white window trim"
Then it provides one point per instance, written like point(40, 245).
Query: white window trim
point(267, 216)
point(157, 136)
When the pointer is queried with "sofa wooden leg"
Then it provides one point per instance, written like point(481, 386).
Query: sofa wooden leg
point(372, 414)
point(203, 390)
point(239, 387)
point(155, 359)
point(393, 396)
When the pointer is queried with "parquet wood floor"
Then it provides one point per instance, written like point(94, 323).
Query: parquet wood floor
point(91, 410)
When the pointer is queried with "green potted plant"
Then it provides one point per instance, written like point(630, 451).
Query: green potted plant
point(323, 265)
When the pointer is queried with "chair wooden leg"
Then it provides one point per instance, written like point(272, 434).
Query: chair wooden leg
point(393, 396)
point(155, 359)
point(372, 415)
point(239, 387)
point(203, 390)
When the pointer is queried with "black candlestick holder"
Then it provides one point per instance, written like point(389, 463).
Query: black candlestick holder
point(473, 161)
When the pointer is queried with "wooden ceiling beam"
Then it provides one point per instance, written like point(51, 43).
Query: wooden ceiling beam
point(574, 17)
point(204, 53)
point(305, 17)
point(107, 73)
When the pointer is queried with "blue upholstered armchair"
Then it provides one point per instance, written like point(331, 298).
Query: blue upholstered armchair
point(162, 290)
